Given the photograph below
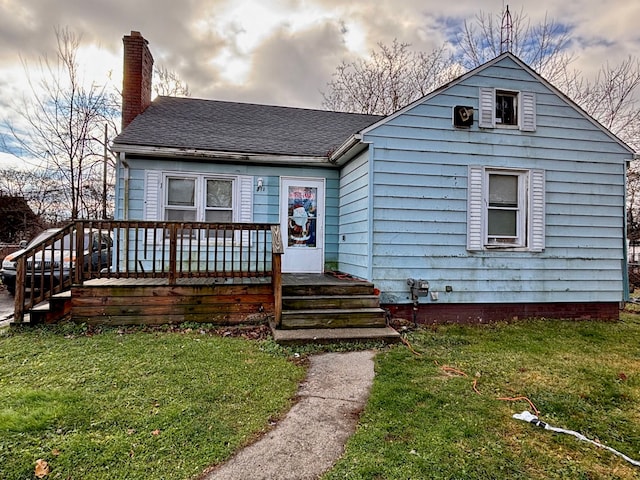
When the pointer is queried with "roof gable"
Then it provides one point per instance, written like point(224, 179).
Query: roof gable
point(505, 57)
point(217, 126)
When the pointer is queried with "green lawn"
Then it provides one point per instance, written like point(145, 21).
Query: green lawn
point(134, 406)
point(425, 421)
point(167, 404)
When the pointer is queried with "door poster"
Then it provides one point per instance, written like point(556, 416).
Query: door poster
point(302, 209)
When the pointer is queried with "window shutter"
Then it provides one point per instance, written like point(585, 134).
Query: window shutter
point(537, 211)
point(487, 108)
point(528, 111)
point(245, 212)
point(152, 210)
point(475, 230)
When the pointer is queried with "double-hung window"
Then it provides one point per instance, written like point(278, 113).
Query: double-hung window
point(506, 209)
point(219, 200)
point(180, 204)
point(199, 198)
point(193, 197)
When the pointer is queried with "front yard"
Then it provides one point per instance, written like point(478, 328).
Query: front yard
point(166, 404)
point(441, 414)
point(139, 405)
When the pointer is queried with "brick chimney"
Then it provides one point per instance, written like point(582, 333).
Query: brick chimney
point(136, 78)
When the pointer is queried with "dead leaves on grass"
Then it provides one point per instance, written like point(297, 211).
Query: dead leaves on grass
point(42, 468)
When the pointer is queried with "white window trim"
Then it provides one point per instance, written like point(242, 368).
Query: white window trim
point(516, 96)
point(156, 198)
point(526, 109)
point(519, 240)
point(532, 235)
point(201, 193)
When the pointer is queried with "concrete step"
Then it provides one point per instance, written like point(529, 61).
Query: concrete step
point(334, 335)
point(333, 318)
point(313, 302)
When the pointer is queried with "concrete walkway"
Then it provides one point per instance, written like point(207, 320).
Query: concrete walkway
point(6, 307)
point(309, 440)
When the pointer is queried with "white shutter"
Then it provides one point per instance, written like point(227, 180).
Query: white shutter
point(152, 197)
point(245, 212)
point(487, 108)
point(537, 211)
point(153, 204)
point(528, 111)
point(475, 223)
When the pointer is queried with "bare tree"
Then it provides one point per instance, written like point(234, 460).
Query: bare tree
point(610, 97)
point(41, 188)
point(168, 83)
point(542, 46)
point(389, 79)
point(60, 124)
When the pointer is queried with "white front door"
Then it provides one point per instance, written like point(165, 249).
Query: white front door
point(302, 224)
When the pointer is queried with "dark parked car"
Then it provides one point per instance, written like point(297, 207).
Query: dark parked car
point(56, 263)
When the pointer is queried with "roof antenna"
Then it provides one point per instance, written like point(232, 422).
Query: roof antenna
point(506, 32)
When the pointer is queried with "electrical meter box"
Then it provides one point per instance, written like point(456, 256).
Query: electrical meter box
point(419, 287)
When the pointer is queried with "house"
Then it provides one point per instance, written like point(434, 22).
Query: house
point(19, 222)
point(491, 198)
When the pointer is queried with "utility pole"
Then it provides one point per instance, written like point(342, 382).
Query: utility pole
point(104, 175)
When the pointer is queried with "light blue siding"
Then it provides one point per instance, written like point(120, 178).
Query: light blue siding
point(354, 226)
point(419, 195)
point(265, 202)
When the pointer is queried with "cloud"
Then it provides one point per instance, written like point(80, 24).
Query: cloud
point(295, 67)
point(284, 51)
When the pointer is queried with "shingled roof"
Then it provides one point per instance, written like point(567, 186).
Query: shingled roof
point(209, 125)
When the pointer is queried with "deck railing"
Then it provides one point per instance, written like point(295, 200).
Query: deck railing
point(143, 249)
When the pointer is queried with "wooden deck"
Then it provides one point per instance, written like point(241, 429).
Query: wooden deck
point(198, 281)
point(140, 258)
point(316, 308)
point(152, 301)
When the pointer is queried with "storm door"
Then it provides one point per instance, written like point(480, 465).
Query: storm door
point(302, 223)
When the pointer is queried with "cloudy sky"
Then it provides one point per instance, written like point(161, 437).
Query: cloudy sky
point(277, 51)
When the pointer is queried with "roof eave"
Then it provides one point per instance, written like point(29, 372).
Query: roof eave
point(222, 156)
point(349, 149)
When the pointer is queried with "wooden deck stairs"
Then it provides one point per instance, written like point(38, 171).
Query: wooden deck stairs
point(321, 308)
point(57, 308)
point(330, 308)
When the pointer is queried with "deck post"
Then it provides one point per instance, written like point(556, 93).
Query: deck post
point(173, 254)
point(277, 250)
point(18, 308)
point(78, 264)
